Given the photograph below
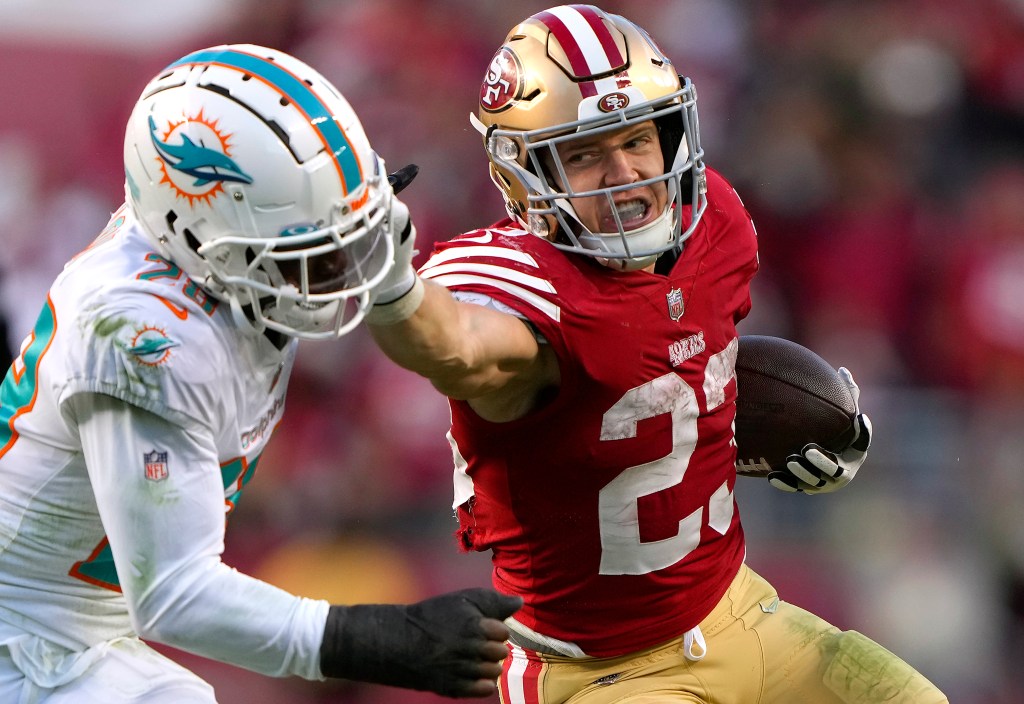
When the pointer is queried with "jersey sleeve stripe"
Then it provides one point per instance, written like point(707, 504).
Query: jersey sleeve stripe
point(479, 251)
point(498, 272)
point(544, 306)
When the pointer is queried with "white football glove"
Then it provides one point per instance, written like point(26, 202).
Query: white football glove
point(402, 276)
point(815, 470)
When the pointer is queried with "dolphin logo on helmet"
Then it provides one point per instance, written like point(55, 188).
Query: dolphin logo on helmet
point(231, 147)
point(202, 163)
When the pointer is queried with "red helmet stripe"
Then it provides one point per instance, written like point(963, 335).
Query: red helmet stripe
point(572, 49)
point(611, 49)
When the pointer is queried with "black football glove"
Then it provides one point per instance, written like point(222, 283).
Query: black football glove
point(815, 470)
point(451, 644)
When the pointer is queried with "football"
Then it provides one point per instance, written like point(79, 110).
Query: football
point(786, 396)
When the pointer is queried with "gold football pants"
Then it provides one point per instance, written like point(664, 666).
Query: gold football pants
point(758, 650)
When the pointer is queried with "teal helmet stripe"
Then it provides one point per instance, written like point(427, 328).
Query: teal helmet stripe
point(298, 92)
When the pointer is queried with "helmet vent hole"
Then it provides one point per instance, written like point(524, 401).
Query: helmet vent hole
point(532, 95)
point(284, 102)
point(247, 77)
point(171, 217)
point(279, 131)
point(193, 243)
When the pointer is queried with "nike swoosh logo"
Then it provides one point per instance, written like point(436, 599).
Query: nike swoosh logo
point(482, 239)
point(179, 311)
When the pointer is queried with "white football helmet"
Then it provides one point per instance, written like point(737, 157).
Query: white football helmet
point(576, 71)
point(253, 174)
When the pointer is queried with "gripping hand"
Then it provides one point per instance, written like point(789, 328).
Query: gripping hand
point(815, 470)
point(402, 276)
point(451, 644)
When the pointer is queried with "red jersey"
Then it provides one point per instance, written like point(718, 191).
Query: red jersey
point(610, 509)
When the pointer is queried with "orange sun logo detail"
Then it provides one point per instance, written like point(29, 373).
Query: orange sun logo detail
point(151, 346)
point(194, 158)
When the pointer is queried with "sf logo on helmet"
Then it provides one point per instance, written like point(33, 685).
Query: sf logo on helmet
point(195, 158)
point(613, 102)
point(503, 82)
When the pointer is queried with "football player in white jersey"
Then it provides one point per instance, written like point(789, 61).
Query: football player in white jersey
point(256, 213)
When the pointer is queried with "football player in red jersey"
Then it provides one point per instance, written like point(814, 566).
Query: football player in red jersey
point(587, 345)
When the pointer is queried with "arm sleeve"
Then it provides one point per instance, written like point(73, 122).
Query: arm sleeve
point(167, 536)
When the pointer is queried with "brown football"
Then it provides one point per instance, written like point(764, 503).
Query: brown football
point(786, 397)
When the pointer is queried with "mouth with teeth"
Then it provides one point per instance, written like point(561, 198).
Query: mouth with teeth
point(633, 213)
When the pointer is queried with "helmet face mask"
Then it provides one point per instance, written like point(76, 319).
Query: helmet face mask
point(310, 284)
point(572, 73)
point(253, 174)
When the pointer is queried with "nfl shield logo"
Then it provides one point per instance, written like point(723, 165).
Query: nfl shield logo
point(156, 465)
point(675, 303)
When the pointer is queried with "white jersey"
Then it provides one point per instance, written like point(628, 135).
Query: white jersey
point(131, 367)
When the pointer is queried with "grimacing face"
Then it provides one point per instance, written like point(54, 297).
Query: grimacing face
point(616, 158)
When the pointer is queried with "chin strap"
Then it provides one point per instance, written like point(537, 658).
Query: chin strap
point(667, 260)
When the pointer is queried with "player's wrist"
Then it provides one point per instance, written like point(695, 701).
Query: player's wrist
point(394, 309)
point(353, 642)
point(402, 276)
point(398, 282)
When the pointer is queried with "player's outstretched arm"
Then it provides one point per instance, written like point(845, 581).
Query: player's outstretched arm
point(451, 644)
point(468, 352)
point(189, 599)
point(815, 470)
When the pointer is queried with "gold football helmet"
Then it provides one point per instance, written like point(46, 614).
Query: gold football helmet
point(576, 71)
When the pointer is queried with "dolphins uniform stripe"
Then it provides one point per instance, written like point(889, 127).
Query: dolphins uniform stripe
point(298, 92)
point(587, 43)
point(20, 387)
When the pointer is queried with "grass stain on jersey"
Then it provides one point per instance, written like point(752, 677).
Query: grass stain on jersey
point(132, 377)
point(106, 327)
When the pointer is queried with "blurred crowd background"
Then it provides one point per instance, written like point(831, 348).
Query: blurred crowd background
point(879, 145)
